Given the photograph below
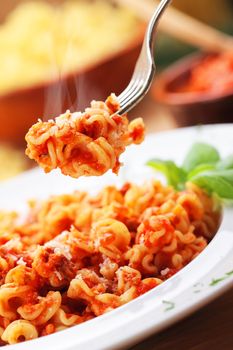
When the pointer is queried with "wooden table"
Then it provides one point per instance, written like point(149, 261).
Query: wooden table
point(208, 329)
point(211, 328)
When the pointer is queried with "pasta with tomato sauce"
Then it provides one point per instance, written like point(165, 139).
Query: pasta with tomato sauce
point(88, 143)
point(76, 256)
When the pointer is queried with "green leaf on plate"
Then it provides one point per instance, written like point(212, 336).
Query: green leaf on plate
point(202, 166)
point(176, 176)
point(225, 164)
point(200, 169)
point(200, 153)
point(217, 181)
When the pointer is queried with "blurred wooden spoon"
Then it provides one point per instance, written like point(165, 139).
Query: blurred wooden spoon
point(182, 26)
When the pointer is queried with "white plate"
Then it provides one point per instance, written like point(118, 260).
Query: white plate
point(187, 291)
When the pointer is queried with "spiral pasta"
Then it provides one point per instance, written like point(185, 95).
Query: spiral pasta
point(18, 331)
point(88, 143)
point(76, 256)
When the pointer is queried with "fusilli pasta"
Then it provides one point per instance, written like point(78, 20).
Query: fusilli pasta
point(77, 256)
point(88, 143)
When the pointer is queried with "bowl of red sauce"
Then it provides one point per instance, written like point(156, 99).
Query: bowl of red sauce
point(198, 89)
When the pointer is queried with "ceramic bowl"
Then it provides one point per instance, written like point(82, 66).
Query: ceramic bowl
point(191, 108)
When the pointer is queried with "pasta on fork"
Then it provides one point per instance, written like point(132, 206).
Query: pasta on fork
point(88, 143)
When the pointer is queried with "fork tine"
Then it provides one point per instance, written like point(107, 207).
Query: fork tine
point(136, 87)
point(129, 90)
point(138, 95)
point(136, 80)
point(139, 87)
point(138, 72)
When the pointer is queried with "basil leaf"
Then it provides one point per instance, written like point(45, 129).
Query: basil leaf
point(217, 181)
point(176, 176)
point(200, 169)
point(226, 163)
point(200, 153)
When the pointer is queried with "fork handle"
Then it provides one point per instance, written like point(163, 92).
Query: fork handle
point(151, 30)
point(182, 26)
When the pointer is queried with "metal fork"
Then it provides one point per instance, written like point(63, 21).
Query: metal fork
point(145, 67)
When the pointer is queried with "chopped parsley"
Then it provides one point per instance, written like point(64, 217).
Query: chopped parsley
point(170, 305)
point(215, 281)
point(229, 273)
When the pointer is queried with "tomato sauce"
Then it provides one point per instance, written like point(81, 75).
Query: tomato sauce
point(213, 73)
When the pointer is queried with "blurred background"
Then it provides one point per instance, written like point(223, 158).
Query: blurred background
point(57, 55)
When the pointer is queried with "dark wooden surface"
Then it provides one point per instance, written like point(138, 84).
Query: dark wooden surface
point(211, 328)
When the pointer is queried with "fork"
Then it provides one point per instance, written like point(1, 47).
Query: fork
point(145, 67)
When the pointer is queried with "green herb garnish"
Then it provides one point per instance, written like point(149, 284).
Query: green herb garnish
point(202, 166)
point(175, 175)
point(214, 281)
point(229, 273)
point(226, 163)
point(170, 305)
point(200, 153)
